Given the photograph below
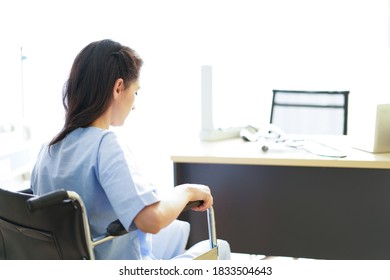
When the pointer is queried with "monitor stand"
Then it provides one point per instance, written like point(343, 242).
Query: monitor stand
point(208, 132)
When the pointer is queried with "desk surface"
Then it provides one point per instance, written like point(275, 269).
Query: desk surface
point(237, 151)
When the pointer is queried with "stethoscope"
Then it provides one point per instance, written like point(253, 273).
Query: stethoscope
point(277, 135)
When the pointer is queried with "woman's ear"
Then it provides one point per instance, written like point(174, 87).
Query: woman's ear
point(118, 87)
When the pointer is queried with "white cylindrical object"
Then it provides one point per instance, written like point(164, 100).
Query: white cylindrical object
point(207, 98)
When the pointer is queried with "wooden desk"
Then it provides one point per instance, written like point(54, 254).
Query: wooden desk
point(288, 202)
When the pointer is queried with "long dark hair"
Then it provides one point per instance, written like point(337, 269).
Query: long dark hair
point(87, 94)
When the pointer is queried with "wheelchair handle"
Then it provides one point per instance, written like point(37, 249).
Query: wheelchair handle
point(210, 221)
point(51, 198)
point(192, 204)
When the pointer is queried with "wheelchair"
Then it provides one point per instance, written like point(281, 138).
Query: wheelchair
point(55, 226)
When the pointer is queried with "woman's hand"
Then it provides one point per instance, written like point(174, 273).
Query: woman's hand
point(199, 192)
point(160, 214)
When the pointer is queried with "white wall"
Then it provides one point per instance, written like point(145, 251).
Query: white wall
point(254, 46)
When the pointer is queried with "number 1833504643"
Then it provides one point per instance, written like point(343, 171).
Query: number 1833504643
point(242, 270)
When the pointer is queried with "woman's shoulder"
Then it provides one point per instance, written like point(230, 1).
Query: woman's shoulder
point(93, 133)
point(89, 137)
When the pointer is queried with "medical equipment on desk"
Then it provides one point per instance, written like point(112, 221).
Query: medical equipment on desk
point(272, 133)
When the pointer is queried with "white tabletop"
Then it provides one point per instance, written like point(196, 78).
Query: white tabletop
point(237, 151)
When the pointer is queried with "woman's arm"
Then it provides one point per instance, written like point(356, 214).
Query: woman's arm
point(156, 216)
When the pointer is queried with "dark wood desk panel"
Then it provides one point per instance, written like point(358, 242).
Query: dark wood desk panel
point(313, 212)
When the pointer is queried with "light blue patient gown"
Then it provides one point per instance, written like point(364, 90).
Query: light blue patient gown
point(93, 163)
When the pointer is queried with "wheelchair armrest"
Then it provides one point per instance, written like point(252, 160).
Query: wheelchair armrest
point(116, 229)
point(39, 202)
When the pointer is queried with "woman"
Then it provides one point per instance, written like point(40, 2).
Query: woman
point(88, 158)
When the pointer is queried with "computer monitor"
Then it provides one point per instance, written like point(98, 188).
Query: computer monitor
point(374, 134)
